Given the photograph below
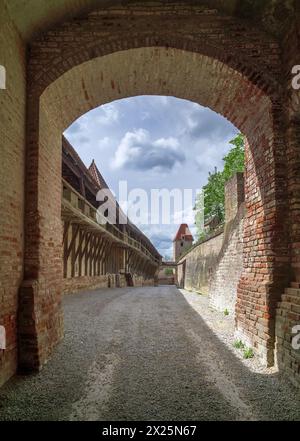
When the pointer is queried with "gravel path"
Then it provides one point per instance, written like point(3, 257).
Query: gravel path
point(149, 354)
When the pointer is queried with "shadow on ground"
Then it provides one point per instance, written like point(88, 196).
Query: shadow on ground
point(144, 354)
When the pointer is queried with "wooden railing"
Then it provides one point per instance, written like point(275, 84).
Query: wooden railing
point(80, 209)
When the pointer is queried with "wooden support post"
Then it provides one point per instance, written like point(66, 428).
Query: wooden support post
point(107, 257)
point(84, 252)
point(96, 252)
point(90, 254)
point(87, 255)
point(144, 266)
point(138, 264)
point(128, 259)
point(102, 254)
point(70, 248)
point(65, 247)
point(66, 229)
point(98, 261)
point(77, 252)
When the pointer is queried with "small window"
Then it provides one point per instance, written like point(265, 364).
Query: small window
point(182, 244)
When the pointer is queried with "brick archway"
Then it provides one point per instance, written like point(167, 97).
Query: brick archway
point(55, 101)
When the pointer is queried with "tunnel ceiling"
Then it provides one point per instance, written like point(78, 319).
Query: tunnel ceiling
point(33, 16)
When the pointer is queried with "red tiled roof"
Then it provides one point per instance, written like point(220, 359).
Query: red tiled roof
point(183, 230)
point(96, 175)
point(68, 149)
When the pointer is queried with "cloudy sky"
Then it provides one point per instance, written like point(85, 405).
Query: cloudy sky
point(154, 143)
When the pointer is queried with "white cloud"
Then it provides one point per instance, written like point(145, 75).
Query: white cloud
point(187, 216)
point(104, 142)
point(167, 143)
point(109, 114)
point(137, 151)
point(154, 142)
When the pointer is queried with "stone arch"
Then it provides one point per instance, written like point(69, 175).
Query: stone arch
point(100, 81)
point(151, 70)
point(66, 81)
point(57, 66)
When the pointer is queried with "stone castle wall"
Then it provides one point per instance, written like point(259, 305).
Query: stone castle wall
point(214, 266)
point(195, 274)
point(73, 285)
point(12, 153)
point(225, 276)
point(287, 330)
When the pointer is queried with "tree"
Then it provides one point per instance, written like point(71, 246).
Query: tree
point(213, 191)
point(234, 162)
point(169, 272)
point(214, 196)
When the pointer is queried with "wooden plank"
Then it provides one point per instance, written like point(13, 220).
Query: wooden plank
point(98, 261)
point(84, 234)
point(74, 237)
point(90, 254)
point(77, 252)
point(107, 254)
point(73, 251)
point(137, 263)
point(129, 256)
point(65, 250)
point(66, 229)
point(86, 254)
point(82, 187)
point(102, 253)
point(81, 238)
point(95, 255)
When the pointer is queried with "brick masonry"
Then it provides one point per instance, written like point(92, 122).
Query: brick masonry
point(214, 267)
point(288, 309)
point(224, 279)
point(194, 270)
point(76, 284)
point(288, 317)
point(154, 48)
point(12, 148)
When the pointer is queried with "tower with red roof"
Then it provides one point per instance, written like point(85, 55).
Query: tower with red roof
point(182, 241)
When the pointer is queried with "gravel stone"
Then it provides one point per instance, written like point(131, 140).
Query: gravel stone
point(148, 354)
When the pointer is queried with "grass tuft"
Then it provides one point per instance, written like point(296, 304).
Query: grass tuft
point(238, 344)
point(248, 353)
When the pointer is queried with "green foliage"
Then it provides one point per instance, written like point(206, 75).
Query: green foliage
point(202, 236)
point(169, 272)
point(226, 312)
point(234, 162)
point(238, 344)
point(248, 353)
point(214, 194)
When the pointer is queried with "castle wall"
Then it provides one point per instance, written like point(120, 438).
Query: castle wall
point(12, 153)
point(214, 266)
